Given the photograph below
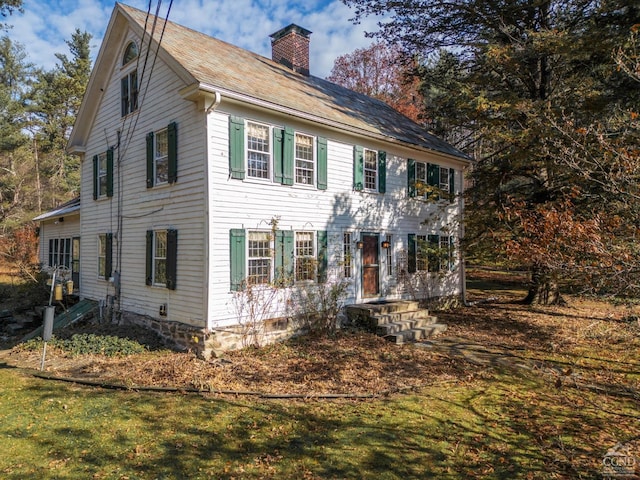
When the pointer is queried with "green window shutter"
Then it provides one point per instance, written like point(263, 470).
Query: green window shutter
point(150, 168)
point(433, 175)
point(452, 185)
point(110, 172)
point(108, 262)
point(236, 147)
point(149, 259)
point(412, 253)
point(237, 257)
point(433, 179)
point(358, 167)
point(411, 177)
point(323, 259)
point(284, 257)
point(434, 257)
point(172, 137)
point(322, 163)
point(288, 146)
point(172, 258)
point(382, 171)
point(95, 177)
point(278, 143)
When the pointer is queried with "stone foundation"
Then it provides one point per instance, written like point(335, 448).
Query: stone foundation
point(208, 344)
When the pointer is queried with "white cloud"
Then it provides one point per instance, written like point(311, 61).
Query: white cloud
point(246, 23)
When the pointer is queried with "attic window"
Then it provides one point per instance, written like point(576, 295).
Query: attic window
point(130, 53)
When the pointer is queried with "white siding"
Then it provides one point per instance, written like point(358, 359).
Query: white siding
point(251, 204)
point(134, 209)
point(53, 228)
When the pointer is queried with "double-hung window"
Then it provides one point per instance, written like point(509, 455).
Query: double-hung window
point(161, 270)
point(370, 170)
point(304, 159)
point(258, 150)
point(422, 255)
point(160, 258)
point(162, 156)
point(278, 258)
point(259, 257)
point(444, 179)
point(129, 82)
point(431, 253)
point(430, 181)
point(447, 260)
point(305, 259)
point(101, 173)
point(275, 153)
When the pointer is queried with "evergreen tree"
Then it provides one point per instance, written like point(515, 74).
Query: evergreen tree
point(15, 163)
point(7, 7)
point(535, 73)
point(55, 100)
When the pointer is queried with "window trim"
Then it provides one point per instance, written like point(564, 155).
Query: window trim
point(129, 93)
point(156, 259)
point(171, 258)
point(389, 255)
point(283, 153)
point(347, 254)
point(367, 186)
point(126, 51)
point(157, 158)
point(269, 152)
point(359, 171)
point(97, 195)
point(314, 160)
point(269, 257)
point(433, 174)
point(310, 257)
point(171, 156)
point(60, 252)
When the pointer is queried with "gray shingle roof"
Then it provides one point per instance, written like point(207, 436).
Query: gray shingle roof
point(221, 65)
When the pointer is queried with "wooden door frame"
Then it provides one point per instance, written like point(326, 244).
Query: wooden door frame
point(376, 235)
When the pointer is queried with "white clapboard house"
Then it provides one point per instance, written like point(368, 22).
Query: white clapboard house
point(206, 167)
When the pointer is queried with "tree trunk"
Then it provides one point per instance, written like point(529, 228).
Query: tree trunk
point(544, 288)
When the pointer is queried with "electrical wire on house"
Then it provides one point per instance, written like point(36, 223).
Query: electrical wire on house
point(123, 144)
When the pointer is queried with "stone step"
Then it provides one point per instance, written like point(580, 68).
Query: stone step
point(385, 329)
point(377, 320)
point(416, 334)
point(380, 308)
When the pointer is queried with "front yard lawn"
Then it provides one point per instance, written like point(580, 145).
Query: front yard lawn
point(509, 392)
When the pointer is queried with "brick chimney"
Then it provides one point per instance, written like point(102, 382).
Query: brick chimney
point(290, 47)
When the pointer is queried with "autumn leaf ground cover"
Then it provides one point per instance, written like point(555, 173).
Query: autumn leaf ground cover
point(509, 391)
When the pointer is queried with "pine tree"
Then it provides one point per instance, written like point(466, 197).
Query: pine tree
point(535, 75)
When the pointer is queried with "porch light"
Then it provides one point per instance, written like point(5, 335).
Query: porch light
point(386, 244)
point(360, 244)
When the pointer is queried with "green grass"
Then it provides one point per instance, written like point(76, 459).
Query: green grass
point(501, 425)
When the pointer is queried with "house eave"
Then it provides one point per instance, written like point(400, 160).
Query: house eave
point(198, 91)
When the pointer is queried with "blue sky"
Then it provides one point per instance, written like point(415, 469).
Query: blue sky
point(45, 25)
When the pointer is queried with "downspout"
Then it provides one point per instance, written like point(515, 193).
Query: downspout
point(207, 220)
